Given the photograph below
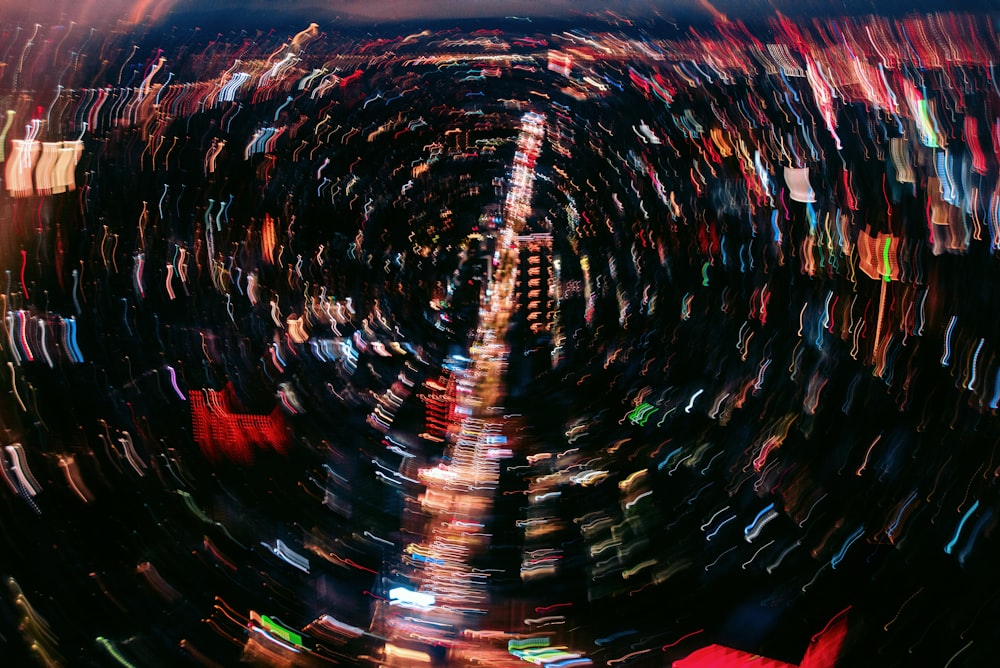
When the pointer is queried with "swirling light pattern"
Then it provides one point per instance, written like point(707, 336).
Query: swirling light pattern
point(629, 344)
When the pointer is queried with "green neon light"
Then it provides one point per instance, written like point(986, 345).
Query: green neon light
point(885, 260)
point(525, 643)
point(646, 414)
point(926, 126)
point(113, 651)
point(281, 631)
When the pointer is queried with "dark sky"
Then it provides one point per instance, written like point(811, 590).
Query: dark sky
point(386, 11)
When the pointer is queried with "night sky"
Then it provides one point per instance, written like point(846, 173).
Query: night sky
point(466, 333)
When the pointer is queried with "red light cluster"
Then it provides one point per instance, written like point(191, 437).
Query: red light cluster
point(222, 433)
